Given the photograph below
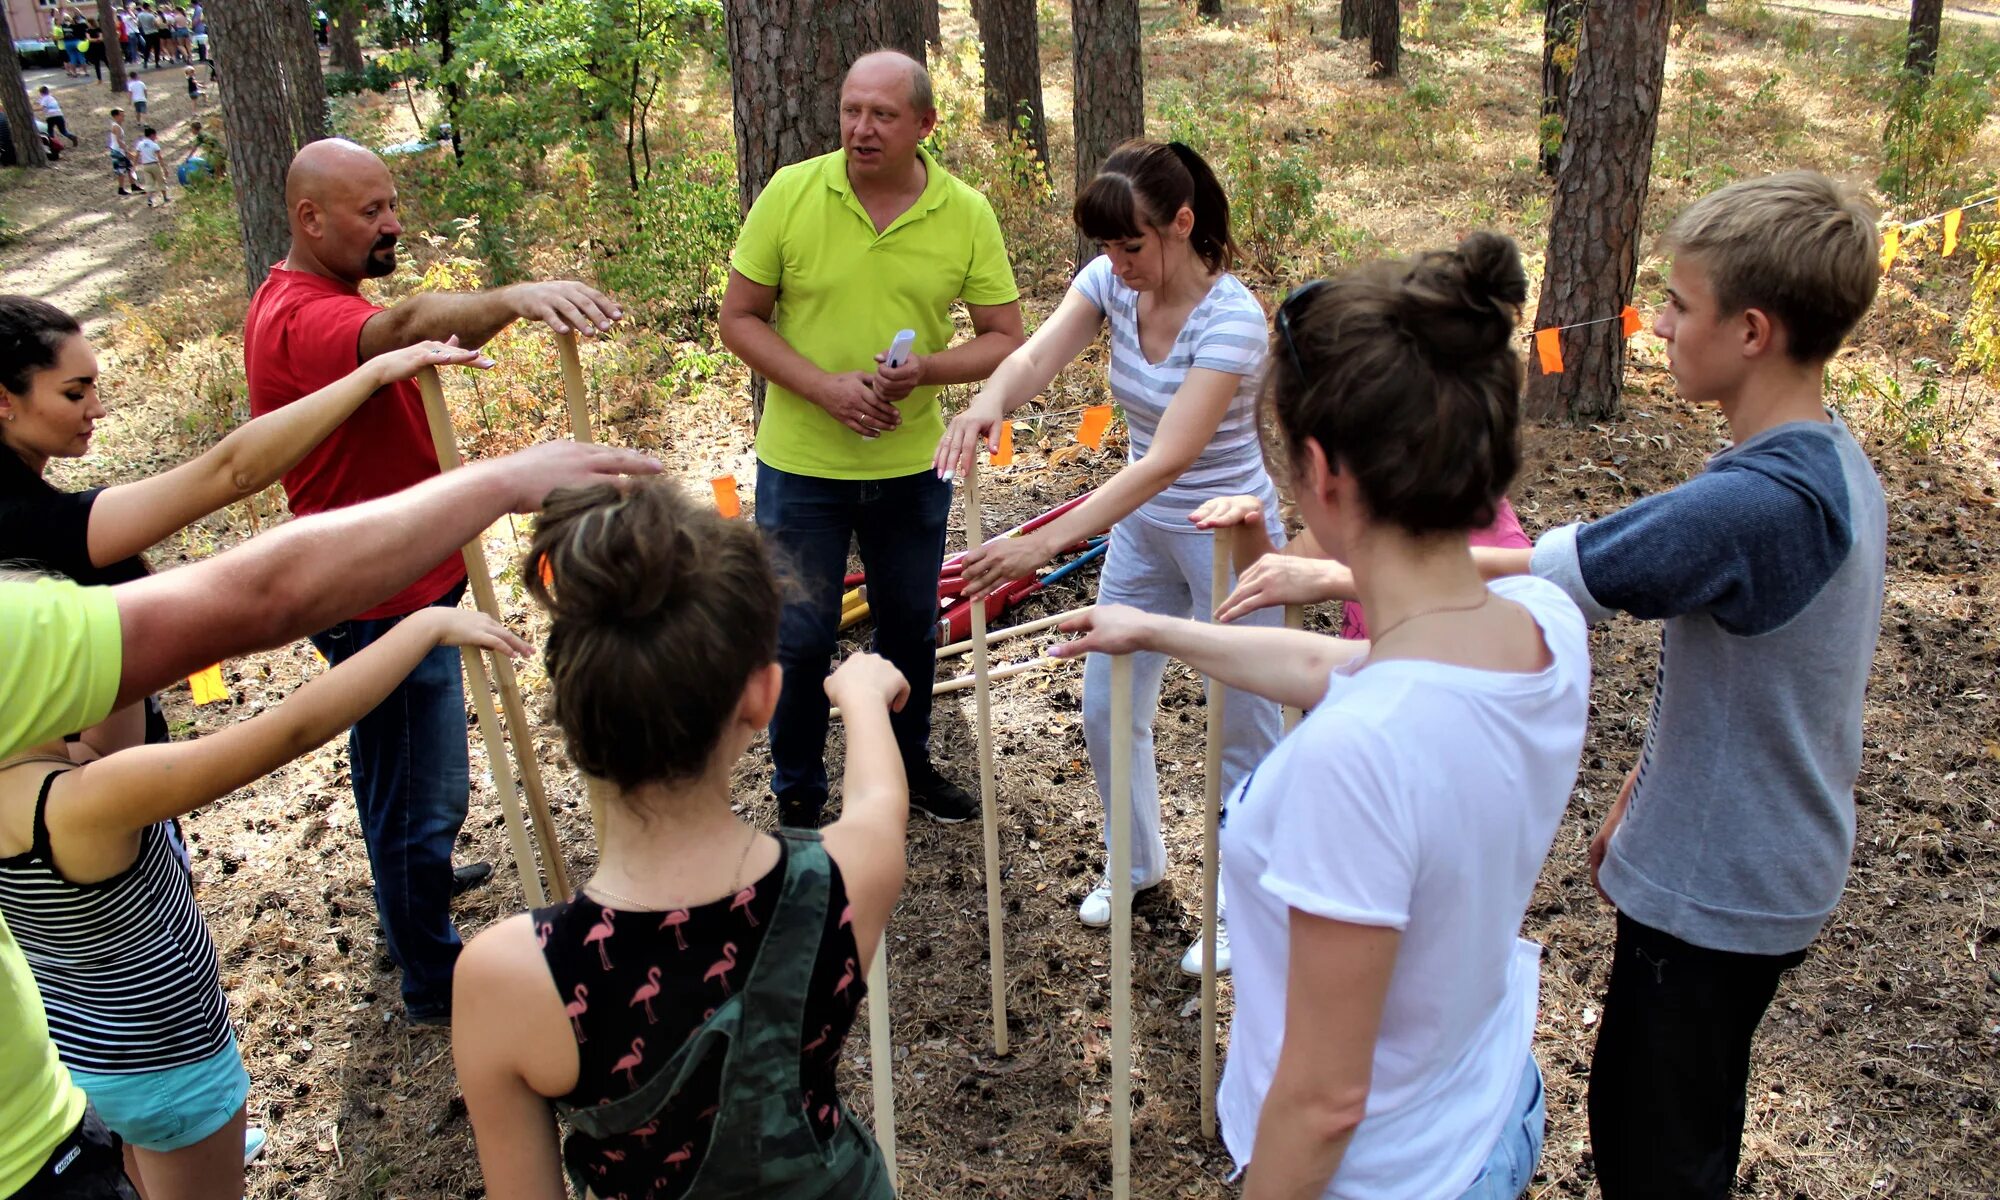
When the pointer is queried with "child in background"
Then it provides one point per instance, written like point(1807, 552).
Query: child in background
point(136, 88)
point(194, 89)
point(52, 116)
point(152, 168)
point(686, 1011)
point(121, 159)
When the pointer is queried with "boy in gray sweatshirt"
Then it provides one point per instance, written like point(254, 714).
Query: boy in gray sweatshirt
point(1729, 844)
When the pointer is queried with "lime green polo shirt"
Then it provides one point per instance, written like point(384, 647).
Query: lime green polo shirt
point(60, 657)
point(844, 291)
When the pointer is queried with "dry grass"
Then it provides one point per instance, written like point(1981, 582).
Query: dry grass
point(1876, 1070)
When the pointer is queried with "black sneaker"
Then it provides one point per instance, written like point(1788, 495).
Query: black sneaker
point(469, 876)
point(800, 812)
point(939, 798)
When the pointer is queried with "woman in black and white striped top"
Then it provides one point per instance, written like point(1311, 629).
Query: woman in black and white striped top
point(96, 887)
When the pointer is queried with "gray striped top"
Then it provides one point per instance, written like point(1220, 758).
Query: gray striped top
point(1225, 332)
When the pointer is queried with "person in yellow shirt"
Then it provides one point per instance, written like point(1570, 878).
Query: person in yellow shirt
point(837, 255)
point(70, 654)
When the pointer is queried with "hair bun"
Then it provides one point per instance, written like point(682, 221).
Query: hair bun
point(1462, 304)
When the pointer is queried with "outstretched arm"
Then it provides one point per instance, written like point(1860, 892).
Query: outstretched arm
point(309, 573)
point(127, 518)
point(475, 317)
point(1025, 374)
point(1290, 666)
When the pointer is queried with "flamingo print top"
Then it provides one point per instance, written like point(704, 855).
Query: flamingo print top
point(638, 984)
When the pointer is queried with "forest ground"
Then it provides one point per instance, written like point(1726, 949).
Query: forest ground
point(1875, 1073)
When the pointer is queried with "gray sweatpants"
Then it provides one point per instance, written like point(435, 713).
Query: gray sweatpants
point(1165, 572)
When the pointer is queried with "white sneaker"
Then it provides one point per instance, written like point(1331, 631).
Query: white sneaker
point(1095, 911)
point(254, 1140)
point(1191, 961)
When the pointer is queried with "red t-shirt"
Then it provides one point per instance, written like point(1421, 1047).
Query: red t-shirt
point(303, 333)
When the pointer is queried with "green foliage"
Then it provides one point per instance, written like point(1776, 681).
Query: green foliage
point(1273, 191)
point(1932, 123)
point(1979, 335)
point(378, 76)
point(1689, 148)
point(678, 230)
point(206, 235)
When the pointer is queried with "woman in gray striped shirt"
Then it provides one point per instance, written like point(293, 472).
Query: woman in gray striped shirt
point(1187, 342)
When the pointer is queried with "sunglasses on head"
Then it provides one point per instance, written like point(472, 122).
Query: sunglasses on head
point(1295, 305)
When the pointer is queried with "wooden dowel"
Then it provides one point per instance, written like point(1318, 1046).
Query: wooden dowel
point(1211, 857)
point(996, 944)
point(503, 777)
point(994, 675)
point(594, 790)
point(1295, 618)
point(1011, 631)
point(881, 1058)
point(1121, 927)
point(514, 711)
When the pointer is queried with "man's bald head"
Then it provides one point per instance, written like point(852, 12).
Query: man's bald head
point(341, 201)
point(882, 65)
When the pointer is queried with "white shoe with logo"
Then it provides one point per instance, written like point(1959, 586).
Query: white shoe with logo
point(1191, 961)
point(1095, 911)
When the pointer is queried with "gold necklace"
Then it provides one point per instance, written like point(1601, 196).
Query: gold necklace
point(735, 881)
point(1377, 638)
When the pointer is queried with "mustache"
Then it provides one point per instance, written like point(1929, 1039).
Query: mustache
point(381, 244)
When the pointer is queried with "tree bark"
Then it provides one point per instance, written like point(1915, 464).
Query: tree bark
point(343, 36)
point(1385, 39)
point(1607, 157)
point(1354, 18)
point(902, 25)
point(273, 106)
point(1559, 35)
point(1110, 96)
point(28, 148)
point(114, 58)
point(1208, 9)
point(933, 29)
point(1926, 29)
point(1011, 50)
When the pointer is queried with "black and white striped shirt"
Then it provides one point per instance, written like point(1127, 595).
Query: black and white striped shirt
point(125, 966)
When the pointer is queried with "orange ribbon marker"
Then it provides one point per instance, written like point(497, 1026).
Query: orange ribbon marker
point(1631, 318)
point(1892, 241)
point(548, 573)
point(207, 685)
point(1096, 419)
point(1951, 220)
point(725, 495)
point(1549, 347)
point(1004, 454)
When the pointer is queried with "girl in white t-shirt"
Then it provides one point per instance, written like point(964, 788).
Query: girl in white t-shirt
point(1187, 343)
point(1381, 859)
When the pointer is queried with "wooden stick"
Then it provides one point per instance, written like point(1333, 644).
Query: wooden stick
point(996, 943)
point(594, 790)
point(882, 1060)
point(514, 710)
point(994, 675)
point(1218, 591)
point(503, 777)
point(1295, 618)
point(1121, 927)
point(1011, 631)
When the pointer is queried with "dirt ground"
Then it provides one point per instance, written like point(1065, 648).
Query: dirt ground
point(1878, 1067)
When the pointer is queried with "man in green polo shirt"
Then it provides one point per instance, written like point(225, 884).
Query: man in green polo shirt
point(837, 255)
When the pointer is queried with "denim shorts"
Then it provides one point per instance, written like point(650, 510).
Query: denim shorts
point(1510, 1167)
point(172, 1108)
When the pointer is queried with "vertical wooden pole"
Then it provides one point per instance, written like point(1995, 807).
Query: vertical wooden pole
point(579, 429)
point(514, 711)
point(503, 778)
point(1218, 591)
point(1295, 618)
point(996, 942)
point(1121, 927)
point(879, 1054)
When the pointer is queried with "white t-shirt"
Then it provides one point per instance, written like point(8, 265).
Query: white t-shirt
point(138, 89)
point(50, 106)
point(1225, 332)
point(1419, 797)
point(149, 151)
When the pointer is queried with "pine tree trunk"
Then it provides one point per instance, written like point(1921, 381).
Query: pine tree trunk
point(1110, 104)
point(1354, 18)
point(902, 26)
point(1012, 53)
point(1559, 34)
point(1208, 10)
point(114, 58)
point(1607, 157)
point(273, 106)
point(1926, 28)
point(28, 148)
point(1385, 39)
point(933, 30)
point(344, 36)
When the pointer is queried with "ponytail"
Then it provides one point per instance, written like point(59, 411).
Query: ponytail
point(1210, 205)
point(1149, 182)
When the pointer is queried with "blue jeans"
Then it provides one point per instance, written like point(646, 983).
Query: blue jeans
point(899, 525)
point(1511, 1165)
point(411, 779)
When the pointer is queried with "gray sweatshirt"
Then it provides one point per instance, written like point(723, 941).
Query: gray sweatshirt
point(1766, 573)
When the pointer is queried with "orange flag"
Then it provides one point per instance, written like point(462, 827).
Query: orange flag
point(1951, 220)
point(1549, 347)
point(548, 573)
point(1096, 419)
point(725, 495)
point(1892, 241)
point(1631, 319)
point(1005, 454)
point(207, 685)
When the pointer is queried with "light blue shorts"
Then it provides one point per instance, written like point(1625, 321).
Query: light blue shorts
point(174, 1108)
point(1510, 1168)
